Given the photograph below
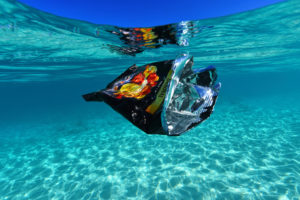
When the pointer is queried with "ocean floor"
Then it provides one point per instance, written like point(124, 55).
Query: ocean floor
point(243, 151)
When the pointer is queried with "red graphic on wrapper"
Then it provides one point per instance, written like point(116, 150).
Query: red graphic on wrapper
point(140, 85)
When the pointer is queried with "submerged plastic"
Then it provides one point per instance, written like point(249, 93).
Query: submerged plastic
point(167, 97)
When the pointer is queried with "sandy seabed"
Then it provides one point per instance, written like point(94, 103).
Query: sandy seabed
point(242, 152)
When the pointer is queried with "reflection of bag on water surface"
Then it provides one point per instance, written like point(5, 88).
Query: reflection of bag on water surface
point(167, 97)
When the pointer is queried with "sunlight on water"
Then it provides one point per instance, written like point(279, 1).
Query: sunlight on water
point(56, 146)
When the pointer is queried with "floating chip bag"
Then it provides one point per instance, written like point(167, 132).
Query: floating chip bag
point(167, 97)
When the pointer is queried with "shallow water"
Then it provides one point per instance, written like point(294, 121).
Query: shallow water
point(56, 146)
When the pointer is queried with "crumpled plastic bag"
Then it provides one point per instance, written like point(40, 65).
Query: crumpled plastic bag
point(167, 97)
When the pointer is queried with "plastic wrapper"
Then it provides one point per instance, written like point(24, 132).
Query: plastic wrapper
point(167, 97)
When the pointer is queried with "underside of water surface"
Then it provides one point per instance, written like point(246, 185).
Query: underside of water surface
point(54, 145)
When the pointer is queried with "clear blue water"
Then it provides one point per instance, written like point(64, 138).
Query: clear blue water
point(53, 145)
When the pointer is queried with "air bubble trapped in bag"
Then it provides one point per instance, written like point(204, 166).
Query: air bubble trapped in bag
point(167, 97)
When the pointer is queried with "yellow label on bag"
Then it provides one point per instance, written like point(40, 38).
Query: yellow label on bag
point(160, 95)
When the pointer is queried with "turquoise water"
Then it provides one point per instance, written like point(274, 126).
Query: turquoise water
point(56, 146)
